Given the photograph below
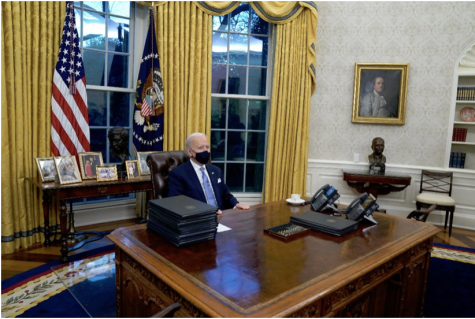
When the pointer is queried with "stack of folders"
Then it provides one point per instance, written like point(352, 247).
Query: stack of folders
point(327, 224)
point(182, 220)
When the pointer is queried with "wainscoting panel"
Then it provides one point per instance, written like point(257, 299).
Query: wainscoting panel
point(322, 172)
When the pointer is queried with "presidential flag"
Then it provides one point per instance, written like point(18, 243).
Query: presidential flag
point(69, 115)
point(148, 110)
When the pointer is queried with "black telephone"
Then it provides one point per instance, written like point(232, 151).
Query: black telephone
point(362, 207)
point(324, 197)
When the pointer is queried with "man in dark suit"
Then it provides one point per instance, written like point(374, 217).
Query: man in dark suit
point(199, 180)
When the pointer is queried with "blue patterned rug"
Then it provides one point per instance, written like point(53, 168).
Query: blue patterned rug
point(83, 288)
point(451, 283)
point(86, 287)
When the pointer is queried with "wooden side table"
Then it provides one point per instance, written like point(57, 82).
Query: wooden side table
point(376, 185)
point(87, 188)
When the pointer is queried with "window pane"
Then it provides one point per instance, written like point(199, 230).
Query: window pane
point(237, 114)
point(257, 115)
point(97, 108)
point(118, 70)
point(235, 177)
point(94, 5)
point(254, 177)
point(94, 30)
point(118, 35)
point(257, 81)
point(218, 144)
point(240, 18)
point(238, 45)
point(120, 8)
point(220, 165)
point(78, 14)
point(220, 23)
point(119, 109)
point(258, 51)
point(258, 26)
point(98, 142)
point(237, 80)
point(220, 47)
point(256, 143)
point(235, 146)
point(218, 83)
point(218, 113)
point(94, 66)
point(124, 196)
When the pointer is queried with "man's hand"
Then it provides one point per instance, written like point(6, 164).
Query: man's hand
point(220, 212)
point(242, 206)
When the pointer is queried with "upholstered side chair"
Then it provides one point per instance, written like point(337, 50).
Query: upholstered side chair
point(436, 188)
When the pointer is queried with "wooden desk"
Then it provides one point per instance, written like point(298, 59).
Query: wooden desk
point(376, 271)
point(376, 185)
point(88, 188)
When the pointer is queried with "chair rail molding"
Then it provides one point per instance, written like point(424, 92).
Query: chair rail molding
point(321, 172)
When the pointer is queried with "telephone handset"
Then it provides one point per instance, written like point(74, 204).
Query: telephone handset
point(325, 196)
point(361, 207)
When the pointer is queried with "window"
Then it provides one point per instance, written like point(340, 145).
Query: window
point(106, 38)
point(240, 97)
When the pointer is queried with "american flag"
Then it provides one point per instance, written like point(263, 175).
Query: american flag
point(69, 115)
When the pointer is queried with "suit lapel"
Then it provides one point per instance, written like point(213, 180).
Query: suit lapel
point(194, 180)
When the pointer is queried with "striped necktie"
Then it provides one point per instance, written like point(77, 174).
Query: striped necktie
point(208, 190)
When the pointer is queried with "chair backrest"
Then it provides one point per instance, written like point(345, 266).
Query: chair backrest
point(160, 164)
point(438, 182)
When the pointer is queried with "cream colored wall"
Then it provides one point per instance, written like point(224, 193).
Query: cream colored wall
point(428, 35)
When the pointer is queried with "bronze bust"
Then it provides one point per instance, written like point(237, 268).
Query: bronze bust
point(377, 161)
point(119, 140)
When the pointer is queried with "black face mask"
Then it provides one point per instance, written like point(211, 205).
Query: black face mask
point(203, 157)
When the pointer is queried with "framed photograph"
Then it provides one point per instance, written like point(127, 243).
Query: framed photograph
point(106, 172)
point(68, 170)
point(132, 169)
point(142, 158)
point(379, 93)
point(88, 162)
point(46, 168)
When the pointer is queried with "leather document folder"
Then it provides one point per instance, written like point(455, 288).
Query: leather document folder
point(182, 207)
point(325, 223)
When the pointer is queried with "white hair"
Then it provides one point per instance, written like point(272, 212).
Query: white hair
point(191, 137)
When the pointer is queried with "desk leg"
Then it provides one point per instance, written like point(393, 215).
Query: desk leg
point(46, 201)
point(63, 218)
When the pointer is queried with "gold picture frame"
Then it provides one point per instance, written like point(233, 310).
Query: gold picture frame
point(107, 172)
point(46, 168)
point(142, 159)
point(132, 168)
point(379, 93)
point(67, 169)
point(88, 162)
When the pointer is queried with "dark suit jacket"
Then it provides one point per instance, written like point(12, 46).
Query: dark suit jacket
point(184, 181)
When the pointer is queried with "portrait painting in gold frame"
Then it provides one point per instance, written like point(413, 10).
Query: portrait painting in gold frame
point(379, 93)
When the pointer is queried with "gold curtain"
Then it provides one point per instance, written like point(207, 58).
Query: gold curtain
point(293, 83)
point(30, 40)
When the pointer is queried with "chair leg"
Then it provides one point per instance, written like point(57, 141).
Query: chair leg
point(446, 218)
point(451, 220)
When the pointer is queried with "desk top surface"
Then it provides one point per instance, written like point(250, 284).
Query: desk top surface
point(248, 270)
